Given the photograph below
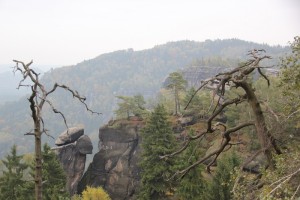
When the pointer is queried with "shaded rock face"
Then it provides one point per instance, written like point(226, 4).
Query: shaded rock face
point(114, 167)
point(71, 151)
point(69, 136)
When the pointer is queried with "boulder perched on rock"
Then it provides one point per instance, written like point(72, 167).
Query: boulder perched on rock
point(84, 145)
point(72, 149)
point(114, 167)
point(69, 136)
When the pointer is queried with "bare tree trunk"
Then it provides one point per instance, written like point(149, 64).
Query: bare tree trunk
point(265, 138)
point(235, 78)
point(37, 100)
point(35, 110)
point(38, 161)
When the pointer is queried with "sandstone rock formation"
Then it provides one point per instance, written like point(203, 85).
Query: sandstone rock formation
point(69, 136)
point(72, 148)
point(114, 167)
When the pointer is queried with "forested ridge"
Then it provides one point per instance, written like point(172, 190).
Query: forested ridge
point(124, 72)
point(216, 127)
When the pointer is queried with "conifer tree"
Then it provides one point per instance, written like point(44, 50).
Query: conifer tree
point(195, 103)
point(53, 175)
point(177, 84)
point(290, 83)
point(54, 178)
point(192, 185)
point(158, 139)
point(130, 106)
point(12, 180)
point(221, 185)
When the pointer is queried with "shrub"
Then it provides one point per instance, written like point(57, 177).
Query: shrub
point(92, 193)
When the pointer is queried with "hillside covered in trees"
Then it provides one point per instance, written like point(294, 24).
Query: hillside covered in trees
point(216, 129)
point(120, 73)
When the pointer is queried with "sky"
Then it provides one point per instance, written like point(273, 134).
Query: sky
point(66, 32)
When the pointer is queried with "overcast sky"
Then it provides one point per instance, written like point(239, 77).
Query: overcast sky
point(65, 32)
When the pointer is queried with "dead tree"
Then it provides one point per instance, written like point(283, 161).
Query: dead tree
point(38, 98)
point(237, 78)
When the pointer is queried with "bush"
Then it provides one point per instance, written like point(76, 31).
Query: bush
point(91, 193)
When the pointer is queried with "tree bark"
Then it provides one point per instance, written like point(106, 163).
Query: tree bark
point(265, 138)
point(175, 100)
point(37, 100)
point(38, 161)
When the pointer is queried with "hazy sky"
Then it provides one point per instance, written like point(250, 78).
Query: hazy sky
point(65, 32)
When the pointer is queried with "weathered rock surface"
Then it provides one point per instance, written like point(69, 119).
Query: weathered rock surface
point(114, 167)
point(72, 156)
point(69, 136)
point(84, 145)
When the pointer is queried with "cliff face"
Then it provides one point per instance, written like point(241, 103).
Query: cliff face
point(72, 148)
point(114, 167)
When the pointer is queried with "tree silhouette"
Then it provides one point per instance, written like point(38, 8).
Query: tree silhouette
point(38, 98)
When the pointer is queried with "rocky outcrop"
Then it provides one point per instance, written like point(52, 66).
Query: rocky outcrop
point(114, 167)
point(69, 136)
point(72, 148)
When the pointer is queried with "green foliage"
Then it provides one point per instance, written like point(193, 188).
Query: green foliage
point(290, 80)
point(76, 197)
point(12, 181)
point(158, 139)
point(175, 80)
point(192, 186)
point(54, 178)
point(199, 104)
point(195, 103)
point(131, 106)
point(282, 183)
point(53, 175)
point(176, 83)
point(239, 113)
point(221, 186)
point(125, 73)
point(291, 69)
point(164, 98)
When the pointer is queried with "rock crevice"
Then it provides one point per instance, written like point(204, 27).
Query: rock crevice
point(115, 166)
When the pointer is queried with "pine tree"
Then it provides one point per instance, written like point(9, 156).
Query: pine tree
point(192, 185)
point(158, 139)
point(290, 84)
point(12, 180)
point(130, 106)
point(195, 104)
point(54, 178)
point(221, 185)
point(177, 84)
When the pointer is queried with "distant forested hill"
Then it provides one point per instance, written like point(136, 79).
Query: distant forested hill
point(124, 72)
point(9, 82)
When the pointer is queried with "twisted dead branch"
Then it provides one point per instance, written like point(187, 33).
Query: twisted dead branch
point(235, 78)
point(39, 96)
